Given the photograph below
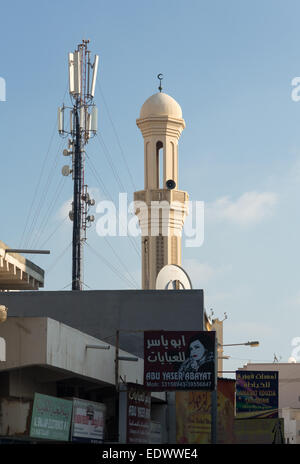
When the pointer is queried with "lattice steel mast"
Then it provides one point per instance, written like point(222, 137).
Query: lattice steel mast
point(82, 126)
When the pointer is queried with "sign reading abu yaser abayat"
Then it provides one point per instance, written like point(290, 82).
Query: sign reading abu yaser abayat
point(179, 360)
point(51, 418)
point(256, 394)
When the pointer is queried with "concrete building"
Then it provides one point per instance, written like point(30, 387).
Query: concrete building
point(66, 364)
point(17, 272)
point(47, 334)
point(289, 395)
point(291, 418)
point(100, 313)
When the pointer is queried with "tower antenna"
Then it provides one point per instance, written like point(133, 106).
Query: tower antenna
point(82, 126)
point(160, 77)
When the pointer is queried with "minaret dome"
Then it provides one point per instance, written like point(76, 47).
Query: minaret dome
point(161, 104)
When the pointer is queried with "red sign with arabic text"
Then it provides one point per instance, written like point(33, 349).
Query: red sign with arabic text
point(179, 360)
point(138, 414)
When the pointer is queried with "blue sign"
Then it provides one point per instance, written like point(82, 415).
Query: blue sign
point(256, 394)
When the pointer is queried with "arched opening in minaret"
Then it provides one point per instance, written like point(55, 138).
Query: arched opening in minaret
point(159, 165)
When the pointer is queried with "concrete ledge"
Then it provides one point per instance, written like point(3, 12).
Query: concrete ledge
point(41, 341)
point(17, 272)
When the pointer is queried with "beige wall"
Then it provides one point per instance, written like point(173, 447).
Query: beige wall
point(289, 381)
point(14, 416)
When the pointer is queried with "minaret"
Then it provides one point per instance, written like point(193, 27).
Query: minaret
point(161, 124)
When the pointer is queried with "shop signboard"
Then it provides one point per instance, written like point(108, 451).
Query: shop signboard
point(138, 414)
point(51, 418)
point(256, 394)
point(193, 415)
point(258, 431)
point(88, 421)
point(179, 360)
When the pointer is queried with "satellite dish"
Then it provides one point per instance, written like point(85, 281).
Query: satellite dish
point(292, 360)
point(173, 277)
point(65, 170)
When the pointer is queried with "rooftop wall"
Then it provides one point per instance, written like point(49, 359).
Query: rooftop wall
point(101, 313)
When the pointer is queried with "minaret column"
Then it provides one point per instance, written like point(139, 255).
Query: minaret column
point(161, 211)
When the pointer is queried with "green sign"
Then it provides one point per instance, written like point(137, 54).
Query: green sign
point(51, 418)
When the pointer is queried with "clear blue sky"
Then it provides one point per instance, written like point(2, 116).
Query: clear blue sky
point(229, 65)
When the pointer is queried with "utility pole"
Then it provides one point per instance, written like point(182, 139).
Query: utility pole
point(82, 126)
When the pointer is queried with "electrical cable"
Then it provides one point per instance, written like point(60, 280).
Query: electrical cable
point(51, 267)
point(42, 198)
point(49, 211)
point(37, 186)
point(121, 262)
point(117, 137)
point(98, 178)
point(113, 268)
point(35, 196)
point(55, 230)
point(110, 161)
point(70, 284)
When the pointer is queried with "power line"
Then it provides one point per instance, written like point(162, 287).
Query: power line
point(35, 196)
point(50, 209)
point(248, 358)
point(42, 198)
point(110, 162)
point(37, 186)
point(117, 138)
point(121, 262)
point(55, 230)
point(57, 259)
point(113, 268)
point(98, 178)
point(70, 284)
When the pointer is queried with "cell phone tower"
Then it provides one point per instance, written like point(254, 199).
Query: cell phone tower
point(82, 126)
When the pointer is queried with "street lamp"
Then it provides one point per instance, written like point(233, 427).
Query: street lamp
point(215, 392)
point(252, 344)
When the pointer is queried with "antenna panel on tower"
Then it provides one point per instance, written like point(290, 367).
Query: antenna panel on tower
point(77, 73)
point(95, 69)
point(71, 73)
point(71, 122)
point(60, 120)
point(82, 118)
point(94, 119)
